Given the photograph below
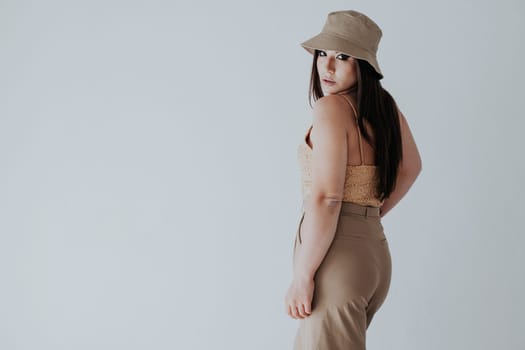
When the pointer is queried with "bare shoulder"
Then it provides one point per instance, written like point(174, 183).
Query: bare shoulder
point(329, 122)
point(405, 128)
point(411, 162)
point(332, 109)
point(402, 120)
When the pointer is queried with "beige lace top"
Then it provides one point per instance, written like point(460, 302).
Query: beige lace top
point(360, 182)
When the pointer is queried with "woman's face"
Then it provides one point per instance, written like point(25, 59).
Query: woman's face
point(337, 72)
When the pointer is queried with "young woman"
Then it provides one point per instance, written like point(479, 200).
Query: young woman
point(358, 159)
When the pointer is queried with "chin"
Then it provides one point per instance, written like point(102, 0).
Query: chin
point(330, 92)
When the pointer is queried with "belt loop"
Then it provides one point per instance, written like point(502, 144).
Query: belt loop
point(366, 212)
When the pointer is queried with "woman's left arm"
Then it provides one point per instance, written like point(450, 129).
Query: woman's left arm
point(322, 206)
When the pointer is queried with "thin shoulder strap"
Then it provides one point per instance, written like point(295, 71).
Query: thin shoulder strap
point(357, 124)
point(307, 135)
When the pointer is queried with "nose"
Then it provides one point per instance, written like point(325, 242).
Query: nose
point(328, 65)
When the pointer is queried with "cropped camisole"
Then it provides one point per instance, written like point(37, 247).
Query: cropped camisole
point(360, 184)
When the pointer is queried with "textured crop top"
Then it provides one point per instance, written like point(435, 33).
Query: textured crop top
point(360, 184)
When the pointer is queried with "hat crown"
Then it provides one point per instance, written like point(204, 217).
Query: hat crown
point(350, 32)
point(354, 26)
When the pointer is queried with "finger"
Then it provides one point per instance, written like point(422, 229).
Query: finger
point(289, 311)
point(292, 311)
point(302, 311)
point(308, 308)
point(295, 312)
point(299, 308)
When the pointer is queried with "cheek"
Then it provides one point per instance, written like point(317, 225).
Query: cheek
point(347, 74)
point(319, 65)
point(350, 69)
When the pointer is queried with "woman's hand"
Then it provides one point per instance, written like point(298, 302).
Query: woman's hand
point(298, 300)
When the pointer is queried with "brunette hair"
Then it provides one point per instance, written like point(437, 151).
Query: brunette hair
point(376, 106)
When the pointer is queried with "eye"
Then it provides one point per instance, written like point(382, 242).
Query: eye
point(321, 53)
point(343, 57)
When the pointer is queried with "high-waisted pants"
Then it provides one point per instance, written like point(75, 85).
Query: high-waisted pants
point(351, 282)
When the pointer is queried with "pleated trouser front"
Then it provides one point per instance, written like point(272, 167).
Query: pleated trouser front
point(351, 283)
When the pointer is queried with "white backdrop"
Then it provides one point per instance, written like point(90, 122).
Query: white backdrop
point(150, 190)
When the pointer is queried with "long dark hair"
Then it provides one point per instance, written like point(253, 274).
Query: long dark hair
point(378, 108)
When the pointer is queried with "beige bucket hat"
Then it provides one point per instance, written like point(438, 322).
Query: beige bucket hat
point(350, 32)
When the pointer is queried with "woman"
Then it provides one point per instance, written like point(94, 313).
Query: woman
point(358, 159)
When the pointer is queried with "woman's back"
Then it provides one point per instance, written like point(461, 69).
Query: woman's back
point(361, 174)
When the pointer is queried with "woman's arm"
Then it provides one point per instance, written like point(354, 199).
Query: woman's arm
point(322, 206)
point(409, 168)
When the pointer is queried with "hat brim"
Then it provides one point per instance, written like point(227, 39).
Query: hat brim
point(326, 41)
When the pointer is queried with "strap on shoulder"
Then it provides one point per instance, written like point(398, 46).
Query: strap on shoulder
point(357, 124)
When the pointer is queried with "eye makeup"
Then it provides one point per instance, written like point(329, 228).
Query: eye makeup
point(343, 56)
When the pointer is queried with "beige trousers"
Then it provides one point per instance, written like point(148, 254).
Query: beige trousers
point(351, 283)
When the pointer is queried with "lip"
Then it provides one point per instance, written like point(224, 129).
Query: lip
point(328, 81)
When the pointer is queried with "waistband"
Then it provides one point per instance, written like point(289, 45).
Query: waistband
point(364, 210)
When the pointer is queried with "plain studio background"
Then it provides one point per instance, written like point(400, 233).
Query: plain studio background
point(150, 189)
